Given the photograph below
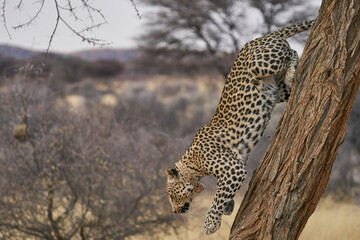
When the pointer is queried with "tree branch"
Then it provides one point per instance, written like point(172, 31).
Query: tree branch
point(32, 19)
point(27, 230)
point(4, 18)
point(19, 4)
point(54, 30)
point(50, 210)
point(136, 9)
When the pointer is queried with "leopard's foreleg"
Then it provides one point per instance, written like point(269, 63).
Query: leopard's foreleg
point(233, 174)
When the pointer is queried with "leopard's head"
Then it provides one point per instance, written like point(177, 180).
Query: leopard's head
point(180, 192)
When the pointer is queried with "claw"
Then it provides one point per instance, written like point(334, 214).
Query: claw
point(210, 226)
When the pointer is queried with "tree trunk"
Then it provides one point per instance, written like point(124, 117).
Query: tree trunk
point(294, 173)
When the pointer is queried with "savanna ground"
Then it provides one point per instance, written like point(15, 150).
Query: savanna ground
point(332, 220)
point(122, 133)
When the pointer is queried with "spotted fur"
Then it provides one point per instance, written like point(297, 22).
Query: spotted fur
point(221, 148)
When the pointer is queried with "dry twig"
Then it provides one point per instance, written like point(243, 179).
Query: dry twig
point(94, 19)
point(3, 8)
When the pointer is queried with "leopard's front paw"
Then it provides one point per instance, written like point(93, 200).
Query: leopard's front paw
point(210, 225)
point(229, 207)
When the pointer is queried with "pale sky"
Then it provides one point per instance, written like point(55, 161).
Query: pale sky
point(123, 25)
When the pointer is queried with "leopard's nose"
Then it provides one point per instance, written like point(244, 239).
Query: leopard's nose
point(184, 208)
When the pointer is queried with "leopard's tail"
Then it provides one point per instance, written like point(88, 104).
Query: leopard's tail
point(291, 30)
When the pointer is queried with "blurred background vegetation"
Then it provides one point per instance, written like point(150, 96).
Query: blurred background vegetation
point(85, 137)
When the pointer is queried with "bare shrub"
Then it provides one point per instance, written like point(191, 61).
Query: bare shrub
point(77, 175)
point(8, 67)
point(104, 68)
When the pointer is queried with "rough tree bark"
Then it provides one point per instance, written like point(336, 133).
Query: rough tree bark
point(295, 170)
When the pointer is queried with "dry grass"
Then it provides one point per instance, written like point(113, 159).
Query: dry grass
point(193, 220)
point(331, 221)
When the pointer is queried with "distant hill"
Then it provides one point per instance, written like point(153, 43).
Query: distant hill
point(18, 53)
point(121, 55)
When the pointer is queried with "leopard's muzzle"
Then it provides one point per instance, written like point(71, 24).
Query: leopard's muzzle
point(183, 209)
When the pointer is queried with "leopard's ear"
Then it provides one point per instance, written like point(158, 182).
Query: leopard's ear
point(172, 174)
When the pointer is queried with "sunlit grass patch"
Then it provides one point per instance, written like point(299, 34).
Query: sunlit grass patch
point(109, 100)
point(75, 101)
point(333, 220)
point(102, 87)
point(190, 228)
point(3, 89)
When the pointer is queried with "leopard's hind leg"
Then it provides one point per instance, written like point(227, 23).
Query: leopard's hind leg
point(292, 65)
point(283, 93)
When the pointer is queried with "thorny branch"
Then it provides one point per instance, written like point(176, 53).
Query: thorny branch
point(71, 9)
point(33, 18)
point(54, 31)
point(91, 9)
point(3, 8)
point(136, 9)
point(94, 15)
point(94, 41)
point(19, 4)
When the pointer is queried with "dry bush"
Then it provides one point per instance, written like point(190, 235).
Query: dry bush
point(77, 175)
point(104, 68)
point(179, 113)
point(59, 70)
point(8, 67)
point(172, 61)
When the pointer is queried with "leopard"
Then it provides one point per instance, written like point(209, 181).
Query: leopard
point(260, 77)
